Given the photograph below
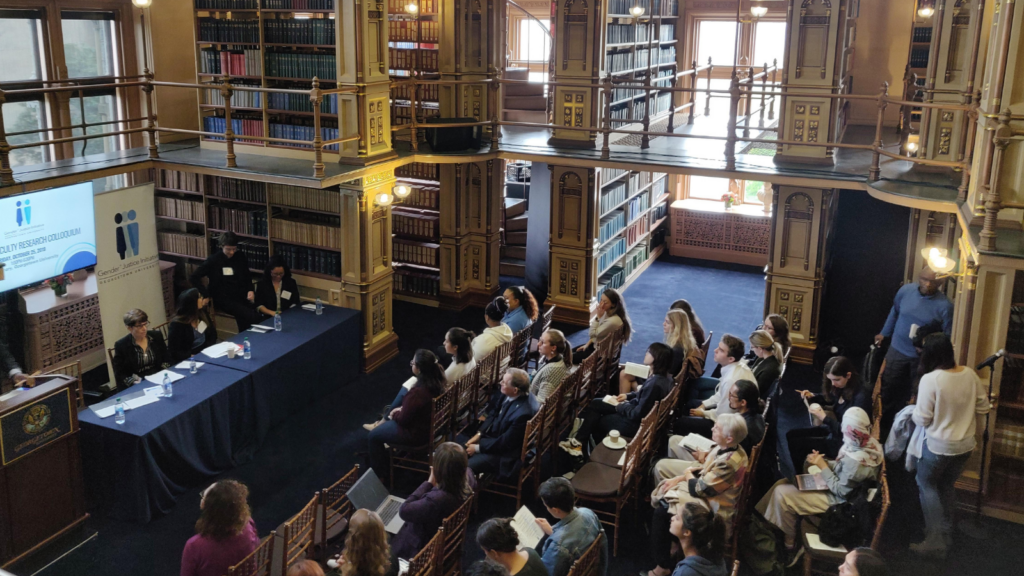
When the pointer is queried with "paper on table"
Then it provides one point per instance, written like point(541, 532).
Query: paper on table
point(219, 350)
point(139, 402)
point(638, 370)
point(183, 365)
point(622, 459)
point(815, 542)
point(158, 378)
point(525, 525)
point(260, 328)
point(613, 400)
point(696, 442)
point(310, 307)
point(154, 391)
point(104, 412)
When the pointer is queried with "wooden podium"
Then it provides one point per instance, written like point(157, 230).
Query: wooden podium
point(41, 490)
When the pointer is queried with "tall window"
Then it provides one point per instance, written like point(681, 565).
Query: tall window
point(90, 43)
point(769, 43)
point(716, 39)
point(534, 43)
point(707, 188)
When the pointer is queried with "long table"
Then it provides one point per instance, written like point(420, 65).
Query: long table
point(217, 418)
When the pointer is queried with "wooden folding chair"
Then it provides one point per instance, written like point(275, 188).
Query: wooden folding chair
point(298, 533)
point(644, 435)
point(424, 563)
point(589, 563)
point(453, 536)
point(334, 511)
point(706, 347)
point(258, 563)
point(464, 412)
point(162, 329)
point(74, 370)
point(743, 503)
point(417, 458)
point(608, 376)
point(545, 322)
point(530, 458)
point(562, 415)
point(587, 389)
point(520, 347)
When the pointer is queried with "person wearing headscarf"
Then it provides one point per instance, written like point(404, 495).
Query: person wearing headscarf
point(859, 460)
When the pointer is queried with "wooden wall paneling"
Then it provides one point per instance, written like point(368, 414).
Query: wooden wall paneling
point(573, 276)
point(579, 33)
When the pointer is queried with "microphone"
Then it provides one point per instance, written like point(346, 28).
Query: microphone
point(991, 360)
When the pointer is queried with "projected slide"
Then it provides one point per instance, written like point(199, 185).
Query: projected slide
point(45, 234)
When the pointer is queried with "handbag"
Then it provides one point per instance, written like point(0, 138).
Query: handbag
point(851, 523)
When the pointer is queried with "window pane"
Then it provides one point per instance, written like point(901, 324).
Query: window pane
point(20, 117)
point(534, 43)
point(751, 191)
point(97, 109)
point(708, 188)
point(717, 39)
point(769, 43)
point(88, 43)
point(19, 46)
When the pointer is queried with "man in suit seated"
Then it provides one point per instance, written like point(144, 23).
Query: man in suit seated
point(499, 443)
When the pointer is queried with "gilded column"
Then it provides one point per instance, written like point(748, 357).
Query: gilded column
point(579, 32)
point(471, 197)
point(472, 48)
point(573, 271)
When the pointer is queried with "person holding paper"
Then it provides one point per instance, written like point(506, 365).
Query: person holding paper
point(915, 306)
point(192, 328)
point(575, 531)
point(553, 367)
point(841, 389)
point(277, 290)
point(686, 353)
point(230, 281)
point(500, 543)
point(497, 446)
point(859, 460)
point(141, 353)
point(704, 413)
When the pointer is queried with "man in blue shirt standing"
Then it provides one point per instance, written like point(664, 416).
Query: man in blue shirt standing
point(915, 306)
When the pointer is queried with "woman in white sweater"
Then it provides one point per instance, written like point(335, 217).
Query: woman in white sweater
point(949, 398)
point(496, 333)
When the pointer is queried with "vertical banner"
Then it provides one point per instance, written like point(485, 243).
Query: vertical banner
point(127, 260)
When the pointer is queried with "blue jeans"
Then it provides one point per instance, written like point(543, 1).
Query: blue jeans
point(397, 402)
point(387, 433)
point(936, 476)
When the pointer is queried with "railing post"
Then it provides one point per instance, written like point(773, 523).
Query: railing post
point(413, 135)
point(747, 113)
point(318, 141)
point(993, 203)
point(645, 140)
point(495, 129)
point(229, 132)
point(693, 93)
point(968, 155)
point(771, 102)
point(764, 88)
point(6, 174)
point(607, 131)
point(147, 89)
point(730, 138)
point(876, 171)
point(672, 106)
point(707, 102)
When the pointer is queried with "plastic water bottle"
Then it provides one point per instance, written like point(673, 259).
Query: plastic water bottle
point(246, 349)
point(192, 365)
point(319, 306)
point(119, 412)
point(277, 321)
point(168, 386)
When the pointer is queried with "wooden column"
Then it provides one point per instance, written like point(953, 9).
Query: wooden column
point(366, 274)
point(801, 224)
point(573, 276)
point(579, 32)
point(471, 197)
point(362, 41)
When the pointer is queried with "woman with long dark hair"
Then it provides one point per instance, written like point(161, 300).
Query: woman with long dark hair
point(949, 399)
point(225, 531)
point(701, 537)
point(778, 328)
point(277, 290)
point(408, 423)
point(522, 308)
point(459, 343)
point(500, 543)
point(610, 316)
point(192, 327)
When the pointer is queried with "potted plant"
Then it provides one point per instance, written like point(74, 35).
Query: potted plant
point(59, 284)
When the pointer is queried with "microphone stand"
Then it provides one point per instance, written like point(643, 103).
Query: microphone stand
point(973, 527)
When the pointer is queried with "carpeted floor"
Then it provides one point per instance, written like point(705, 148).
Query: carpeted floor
point(320, 443)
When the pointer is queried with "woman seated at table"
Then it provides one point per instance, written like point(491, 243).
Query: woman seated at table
point(496, 333)
point(141, 353)
point(408, 422)
point(192, 327)
point(277, 290)
point(366, 551)
point(555, 360)
point(686, 353)
point(225, 531)
point(441, 495)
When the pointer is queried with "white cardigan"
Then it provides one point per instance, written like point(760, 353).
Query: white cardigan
point(947, 403)
point(490, 339)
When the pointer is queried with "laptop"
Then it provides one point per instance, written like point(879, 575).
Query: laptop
point(369, 492)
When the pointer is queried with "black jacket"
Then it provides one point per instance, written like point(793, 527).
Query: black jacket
point(637, 405)
point(503, 432)
point(265, 295)
point(232, 287)
point(7, 362)
point(755, 429)
point(180, 338)
point(766, 371)
point(126, 364)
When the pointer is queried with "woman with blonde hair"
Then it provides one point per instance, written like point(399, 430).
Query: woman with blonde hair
point(366, 551)
point(768, 359)
point(555, 360)
point(686, 353)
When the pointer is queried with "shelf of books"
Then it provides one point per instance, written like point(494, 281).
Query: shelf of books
point(920, 50)
point(632, 209)
point(271, 44)
point(415, 227)
point(637, 49)
point(301, 224)
point(413, 50)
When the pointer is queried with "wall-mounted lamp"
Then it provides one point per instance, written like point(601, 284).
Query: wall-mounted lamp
point(939, 261)
point(142, 3)
point(383, 199)
point(412, 8)
point(926, 8)
point(758, 10)
point(401, 191)
point(637, 11)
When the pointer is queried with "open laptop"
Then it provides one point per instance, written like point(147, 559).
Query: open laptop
point(369, 492)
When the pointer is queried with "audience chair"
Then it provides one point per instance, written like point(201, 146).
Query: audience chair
point(744, 503)
point(521, 347)
point(298, 535)
point(545, 322)
point(453, 537)
point(587, 390)
point(666, 408)
point(258, 563)
point(608, 370)
point(706, 347)
point(74, 369)
point(589, 563)
point(530, 458)
point(563, 412)
point(464, 412)
point(485, 383)
point(602, 485)
point(334, 511)
point(645, 434)
point(876, 415)
point(417, 458)
point(424, 563)
point(504, 360)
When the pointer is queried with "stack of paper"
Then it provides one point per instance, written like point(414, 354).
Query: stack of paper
point(525, 525)
point(158, 378)
point(261, 329)
point(219, 350)
point(310, 307)
point(183, 365)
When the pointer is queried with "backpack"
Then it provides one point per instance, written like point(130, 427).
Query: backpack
point(851, 523)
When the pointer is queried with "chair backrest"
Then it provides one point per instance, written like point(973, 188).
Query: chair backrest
point(162, 329)
point(335, 507)
point(299, 532)
point(521, 347)
point(587, 388)
point(645, 434)
point(554, 406)
point(564, 398)
point(485, 379)
point(466, 389)
point(884, 512)
point(504, 359)
point(441, 415)
point(610, 364)
point(739, 518)
point(588, 564)
point(545, 318)
point(453, 529)
point(534, 433)
point(876, 409)
point(665, 408)
point(424, 563)
point(74, 369)
point(258, 562)
point(706, 346)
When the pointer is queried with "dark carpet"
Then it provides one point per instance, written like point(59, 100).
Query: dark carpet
point(319, 444)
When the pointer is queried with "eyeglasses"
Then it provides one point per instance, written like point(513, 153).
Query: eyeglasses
point(141, 325)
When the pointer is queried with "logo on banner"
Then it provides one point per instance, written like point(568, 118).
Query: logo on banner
point(126, 234)
point(23, 214)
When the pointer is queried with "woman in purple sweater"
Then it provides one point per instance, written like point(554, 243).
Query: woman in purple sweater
point(436, 499)
point(409, 424)
point(226, 533)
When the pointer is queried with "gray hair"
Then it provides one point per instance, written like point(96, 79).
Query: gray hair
point(733, 426)
point(520, 379)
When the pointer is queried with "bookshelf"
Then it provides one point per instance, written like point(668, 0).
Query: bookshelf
point(1006, 467)
point(269, 44)
point(920, 52)
point(413, 52)
point(415, 223)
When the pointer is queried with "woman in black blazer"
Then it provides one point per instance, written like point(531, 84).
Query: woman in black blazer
point(277, 290)
point(192, 327)
point(141, 353)
point(767, 363)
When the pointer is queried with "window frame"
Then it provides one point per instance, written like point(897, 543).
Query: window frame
point(743, 187)
point(747, 32)
point(515, 43)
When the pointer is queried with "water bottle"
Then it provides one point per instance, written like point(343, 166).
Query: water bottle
point(168, 387)
point(277, 321)
point(319, 306)
point(192, 365)
point(119, 412)
point(247, 349)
